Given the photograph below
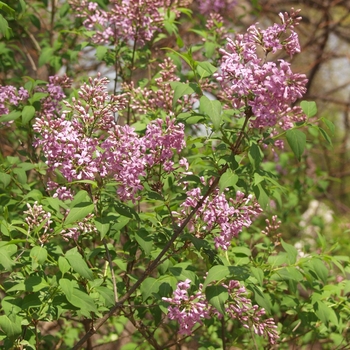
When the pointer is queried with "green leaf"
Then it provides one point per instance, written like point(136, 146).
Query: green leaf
point(255, 156)
point(5, 258)
point(209, 48)
point(291, 252)
point(11, 305)
point(27, 114)
point(309, 108)
point(67, 287)
point(5, 30)
point(261, 195)
point(329, 125)
point(101, 51)
point(124, 210)
point(81, 196)
point(144, 239)
point(322, 311)
point(205, 69)
point(241, 251)
point(278, 260)
point(217, 296)
point(149, 286)
point(103, 226)
point(180, 89)
point(31, 284)
point(82, 301)
point(181, 272)
point(63, 265)
point(287, 273)
point(6, 8)
point(320, 269)
point(258, 179)
point(5, 179)
point(262, 299)
point(213, 109)
point(326, 136)
point(258, 273)
point(78, 264)
point(38, 255)
point(21, 175)
point(107, 295)
point(37, 97)
point(297, 141)
point(78, 212)
point(35, 20)
point(10, 328)
point(11, 116)
point(45, 56)
point(219, 272)
point(228, 179)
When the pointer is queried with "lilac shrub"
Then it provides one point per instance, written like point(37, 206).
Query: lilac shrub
point(145, 190)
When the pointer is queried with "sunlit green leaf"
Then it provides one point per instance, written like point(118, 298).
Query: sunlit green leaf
point(79, 212)
point(309, 108)
point(217, 296)
point(297, 141)
point(78, 264)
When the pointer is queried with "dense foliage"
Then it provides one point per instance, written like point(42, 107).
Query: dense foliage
point(149, 181)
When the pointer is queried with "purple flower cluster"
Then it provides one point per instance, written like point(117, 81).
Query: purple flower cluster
point(268, 88)
point(219, 215)
point(50, 104)
point(127, 20)
point(239, 307)
point(10, 96)
point(215, 6)
point(84, 142)
point(189, 310)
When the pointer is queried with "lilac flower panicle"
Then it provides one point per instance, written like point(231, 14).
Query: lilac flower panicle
point(187, 310)
point(240, 307)
point(126, 20)
point(36, 218)
point(228, 217)
point(83, 142)
point(268, 88)
point(190, 310)
point(11, 96)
